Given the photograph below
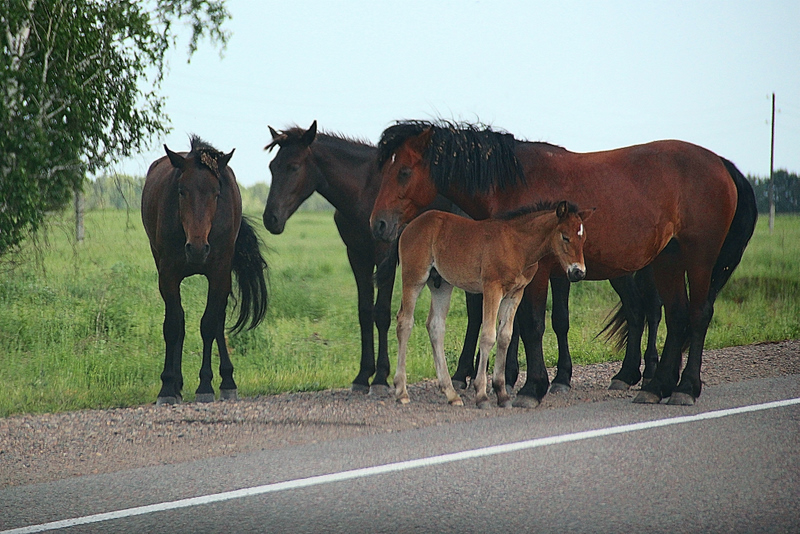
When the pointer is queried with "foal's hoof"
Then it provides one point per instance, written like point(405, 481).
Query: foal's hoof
point(403, 400)
point(525, 401)
point(458, 384)
point(557, 387)
point(380, 390)
point(228, 394)
point(457, 402)
point(680, 399)
point(485, 405)
point(204, 397)
point(168, 400)
point(645, 397)
point(359, 388)
point(619, 385)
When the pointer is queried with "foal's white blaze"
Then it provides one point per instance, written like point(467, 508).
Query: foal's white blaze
point(580, 230)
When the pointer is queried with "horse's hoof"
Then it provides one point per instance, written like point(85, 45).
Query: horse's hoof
point(458, 384)
point(557, 387)
point(485, 405)
point(645, 397)
point(619, 385)
point(509, 390)
point(380, 390)
point(403, 400)
point(228, 394)
point(524, 401)
point(359, 388)
point(457, 402)
point(168, 400)
point(204, 397)
point(680, 399)
point(505, 404)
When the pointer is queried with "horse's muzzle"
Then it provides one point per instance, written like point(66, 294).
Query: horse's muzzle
point(197, 254)
point(576, 273)
point(273, 225)
point(383, 230)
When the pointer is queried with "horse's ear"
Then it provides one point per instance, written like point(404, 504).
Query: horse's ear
point(276, 139)
point(562, 209)
point(421, 142)
point(177, 160)
point(310, 134)
point(585, 214)
point(222, 162)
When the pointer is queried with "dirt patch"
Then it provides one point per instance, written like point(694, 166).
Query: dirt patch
point(41, 448)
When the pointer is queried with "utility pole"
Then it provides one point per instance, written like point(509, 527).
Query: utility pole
point(771, 172)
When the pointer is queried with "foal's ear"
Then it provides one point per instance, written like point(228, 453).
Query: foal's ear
point(310, 134)
point(585, 214)
point(222, 162)
point(176, 159)
point(561, 209)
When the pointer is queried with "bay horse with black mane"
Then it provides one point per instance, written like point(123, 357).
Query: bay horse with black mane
point(192, 213)
point(494, 257)
point(672, 205)
point(345, 172)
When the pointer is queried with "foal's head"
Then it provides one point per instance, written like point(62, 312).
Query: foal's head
point(200, 173)
point(568, 238)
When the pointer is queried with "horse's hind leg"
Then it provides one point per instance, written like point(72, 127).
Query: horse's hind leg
point(652, 312)
point(440, 303)
point(466, 362)
point(632, 306)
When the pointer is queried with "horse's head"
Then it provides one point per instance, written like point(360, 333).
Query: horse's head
point(568, 239)
point(406, 185)
point(294, 176)
point(199, 183)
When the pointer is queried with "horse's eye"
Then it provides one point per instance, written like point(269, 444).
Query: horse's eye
point(565, 238)
point(404, 173)
point(181, 192)
point(293, 167)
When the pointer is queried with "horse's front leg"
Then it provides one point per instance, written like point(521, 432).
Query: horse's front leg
point(560, 319)
point(174, 331)
point(382, 316)
point(440, 304)
point(362, 271)
point(530, 318)
point(212, 327)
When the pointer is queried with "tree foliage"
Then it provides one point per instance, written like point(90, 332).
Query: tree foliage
point(79, 82)
point(787, 192)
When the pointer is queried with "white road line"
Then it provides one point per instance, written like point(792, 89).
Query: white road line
point(398, 466)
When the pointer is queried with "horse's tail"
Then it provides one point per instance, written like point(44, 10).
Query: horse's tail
point(616, 329)
point(250, 268)
point(739, 233)
point(386, 269)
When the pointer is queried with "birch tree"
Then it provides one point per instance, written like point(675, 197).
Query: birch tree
point(79, 86)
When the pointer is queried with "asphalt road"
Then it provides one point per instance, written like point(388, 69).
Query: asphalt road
point(606, 467)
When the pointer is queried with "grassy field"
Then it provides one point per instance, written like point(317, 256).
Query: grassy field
point(81, 323)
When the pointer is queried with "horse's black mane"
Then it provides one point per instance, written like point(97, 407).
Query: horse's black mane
point(544, 205)
point(295, 133)
point(472, 156)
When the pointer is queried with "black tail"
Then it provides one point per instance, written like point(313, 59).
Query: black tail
point(251, 277)
point(385, 270)
point(739, 234)
point(616, 329)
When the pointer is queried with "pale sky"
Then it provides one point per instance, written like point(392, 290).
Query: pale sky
point(591, 75)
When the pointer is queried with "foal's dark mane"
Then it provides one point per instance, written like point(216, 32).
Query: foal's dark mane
point(543, 206)
point(471, 156)
point(295, 133)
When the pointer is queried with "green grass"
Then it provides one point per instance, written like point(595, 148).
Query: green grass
point(81, 323)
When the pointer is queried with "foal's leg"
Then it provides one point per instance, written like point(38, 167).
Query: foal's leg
point(212, 326)
point(174, 330)
point(405, 322)
point(440, 303)
point(508, 308)
point(491, 301)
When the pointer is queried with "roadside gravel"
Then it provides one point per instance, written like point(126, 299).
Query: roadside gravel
point(41, 448)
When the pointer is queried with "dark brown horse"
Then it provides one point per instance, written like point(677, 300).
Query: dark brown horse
point(676, 206)
point(494, 257)
point(192, 213)
point(345, 172)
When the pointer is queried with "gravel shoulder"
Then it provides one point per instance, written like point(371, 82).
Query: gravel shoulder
point(43, 448)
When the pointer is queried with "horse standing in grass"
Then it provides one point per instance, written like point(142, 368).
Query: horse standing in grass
point(345, 172)
point(192, 213)
point(495, 257)
point(671, 205)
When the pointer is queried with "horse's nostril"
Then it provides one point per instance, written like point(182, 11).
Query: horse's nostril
point(206, 249)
